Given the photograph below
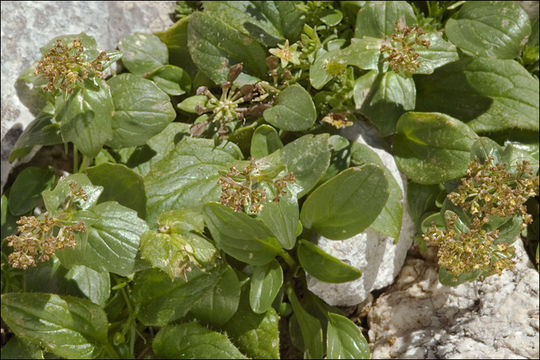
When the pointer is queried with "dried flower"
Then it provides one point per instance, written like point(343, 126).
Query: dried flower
point(286, 53)
point(241, 191)
point(337, 120)
point(64, 66)
point(399, 51)
point(488, 189)
point(36, 239)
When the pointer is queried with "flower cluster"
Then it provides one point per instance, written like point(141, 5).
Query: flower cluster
point(229, 107)
point(399, 51)
point(491, 189)
point(337, 120)
point(39, 238)
point(36, 239)
point(64, 66)
point(488, 190)
point(240, 188)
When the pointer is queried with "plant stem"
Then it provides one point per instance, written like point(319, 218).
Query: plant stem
point(75, 159)
point(288, 258)
point(112, 353)
point(85, 162)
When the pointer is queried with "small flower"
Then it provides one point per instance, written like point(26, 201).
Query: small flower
point(399, 51)
point(64, 66)
point(240, 189)
point(335, 67)
point(286, 53)
point(337, 120)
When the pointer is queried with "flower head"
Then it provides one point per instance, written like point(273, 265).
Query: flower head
point(286, 53)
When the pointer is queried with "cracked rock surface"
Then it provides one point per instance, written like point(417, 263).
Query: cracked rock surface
point(28, 25)
point(417, 317)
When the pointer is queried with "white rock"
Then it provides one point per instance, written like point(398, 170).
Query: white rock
point(27, 26)
point(376, 255)
point(420, 318)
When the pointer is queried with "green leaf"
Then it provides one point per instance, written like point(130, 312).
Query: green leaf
point(239, 235)
point(493, 95)
point(220, 304)
point(485, 148)
point(187, 176)
point(389, 220)
point(324, 266)
point(182, 221)
point(175, 37)
point(293, 110)
point(421, 199)
point(113, 233)
point(85, 118)
point(88, 42)
point(266, 281)
point(363, 53)
point(332, 209)
point(16, 348)
point(281, 218)
point(56, 199)
point(256, 335)
point(171, 79)
point(447, 278)
point(265, 140)
point(190, 104)
point(120, 184)
point(50, 277)
point(193, 341)
point(390, 96)
point(363, 86)
point(344, 339)
point(95, 285)
point(431, 148)
point(439, 53)
point(307, 158)
point(489, 28)
point(215, 46)
point(41, 131)
point(141, 110)
point(143, 53)
point(318, 76)
point(66, 326)
point(310, 327)
point(25, 193)
point(160, 301)
point(377, 18)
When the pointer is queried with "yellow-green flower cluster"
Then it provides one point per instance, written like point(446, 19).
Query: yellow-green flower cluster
point(240, 190)
point(488, 189)
point(399, 51)
point(64, 66)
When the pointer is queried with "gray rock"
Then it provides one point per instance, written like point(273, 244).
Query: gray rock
point(420, 318)
point(27, 26)
point(376, 255)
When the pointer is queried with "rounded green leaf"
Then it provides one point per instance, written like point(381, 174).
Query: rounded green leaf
point(431, 148)
point(324, 266)
point(171, 79)
point(193, 341)
point(363, 53)
point(56, 198)
point(141, 110)
point(489, 28)
point(493, 95)
point(120, 184)
point(95, 285)
point(265, 140)
point(25, 193)
point(239, 235)
point(307, 158)
point(41, 131)
point(318, 76)
point(266, 281)
point(143, 53)
point(293, 110)
point(66, 326)
point(85, 118)
point(377, 18)
point(281, 218)
point(346, 204)
point(344, 340)
point(218, 305)
point(160, 300)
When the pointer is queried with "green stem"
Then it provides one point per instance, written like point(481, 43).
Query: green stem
point(288, 259)
point(75, 159)
point(85, 163)
point(112, 353)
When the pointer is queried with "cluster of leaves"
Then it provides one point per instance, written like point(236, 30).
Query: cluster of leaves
point(201, 210)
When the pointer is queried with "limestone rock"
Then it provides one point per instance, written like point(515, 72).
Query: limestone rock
point(420, 318)
point(27, 26)
point(376, 255)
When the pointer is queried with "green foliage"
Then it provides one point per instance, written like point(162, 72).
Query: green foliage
point(217, 151)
